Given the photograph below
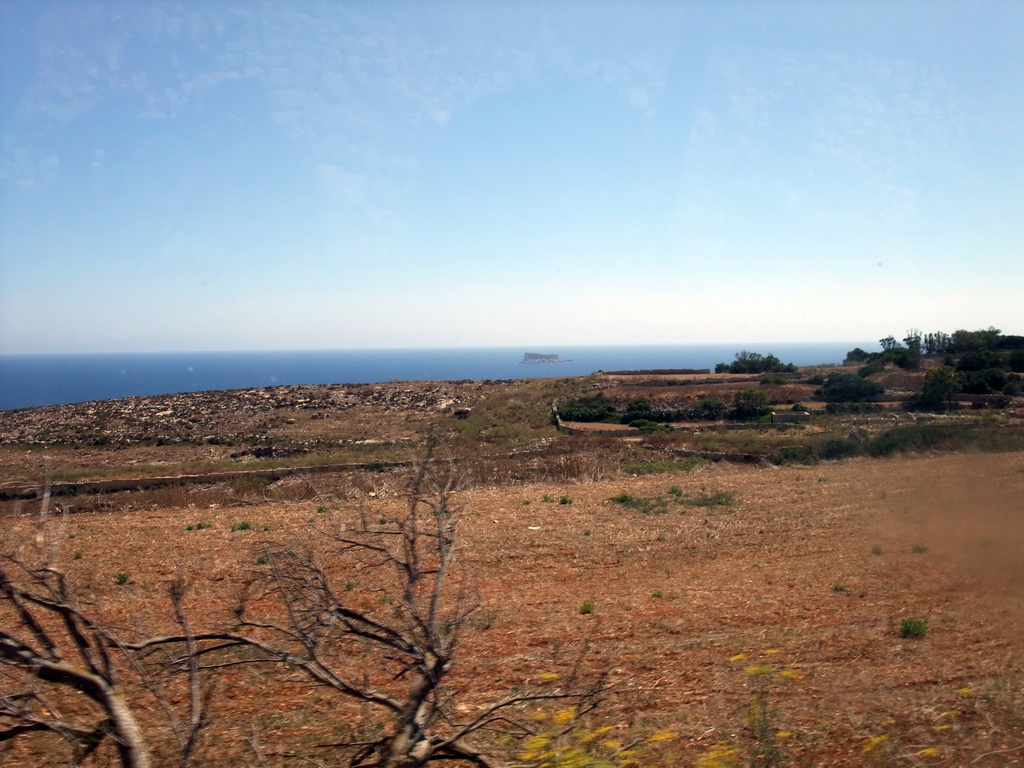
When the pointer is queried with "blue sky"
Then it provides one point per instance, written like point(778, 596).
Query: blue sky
point(301, 175)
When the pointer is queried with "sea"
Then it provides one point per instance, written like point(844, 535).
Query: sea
point(30, 381)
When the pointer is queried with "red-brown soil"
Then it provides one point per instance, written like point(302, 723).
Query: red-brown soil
point(808, 569)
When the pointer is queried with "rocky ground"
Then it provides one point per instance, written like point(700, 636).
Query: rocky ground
point(213, 428)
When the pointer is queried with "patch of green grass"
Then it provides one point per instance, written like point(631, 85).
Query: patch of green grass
point(565, 500)
point(547, 498)
point(664, 465)
point(123, 578)
point(876, 550)
point(641, 504)
point(242, 526)
point(709, 499)
point(920, 549)
point(586, 607)
point(913, 628)
point(657, 593)
point(840, 588)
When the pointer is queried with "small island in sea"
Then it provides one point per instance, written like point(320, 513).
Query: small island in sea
point(533, 358)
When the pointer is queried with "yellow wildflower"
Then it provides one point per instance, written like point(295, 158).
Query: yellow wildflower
point(665, 734)
point(722, 755)
point(772, 651)
point(789, 674)
point(546, 677)
point(536, 747)
point(757, 671)
point(738, 657)
point(564, 716)
point(869, 745)
point(930, 752)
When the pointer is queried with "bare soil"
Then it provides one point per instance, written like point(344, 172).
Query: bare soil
point(806, 570)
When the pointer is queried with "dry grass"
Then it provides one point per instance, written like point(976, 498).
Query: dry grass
point(750, 577)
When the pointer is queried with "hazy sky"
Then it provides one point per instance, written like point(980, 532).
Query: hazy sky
point(288, 175)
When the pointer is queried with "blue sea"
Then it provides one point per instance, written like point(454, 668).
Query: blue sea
point(28, 381)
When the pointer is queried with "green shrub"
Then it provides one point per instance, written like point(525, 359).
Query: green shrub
point(913, 628)
point(664, 465)
point(856, 355)
point(753, 362)
point(588, 408)
point(648, 426)
point(242, 526)
point(919, 437)
point(586, 607)
point(122, 578)
point(640, 504)
point(708, 500)
point(749, 404)
point(795, 454)
point(848, 388)
point(837, 448)
point(709, 409)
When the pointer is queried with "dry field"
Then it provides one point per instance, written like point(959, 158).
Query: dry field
point(790, 581)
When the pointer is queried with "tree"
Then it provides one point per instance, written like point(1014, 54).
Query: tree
point(937, 343)
point(750, 404)
point(710, 409)
point(857, 355)
point(848, 388)
point(390, 647)
point(52, 648)
point(638, 408)
point(939, 388)
point(889, 343)
point(913, 341)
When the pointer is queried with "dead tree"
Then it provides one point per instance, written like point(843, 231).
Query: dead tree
point(390, 646)
point(53, 647)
